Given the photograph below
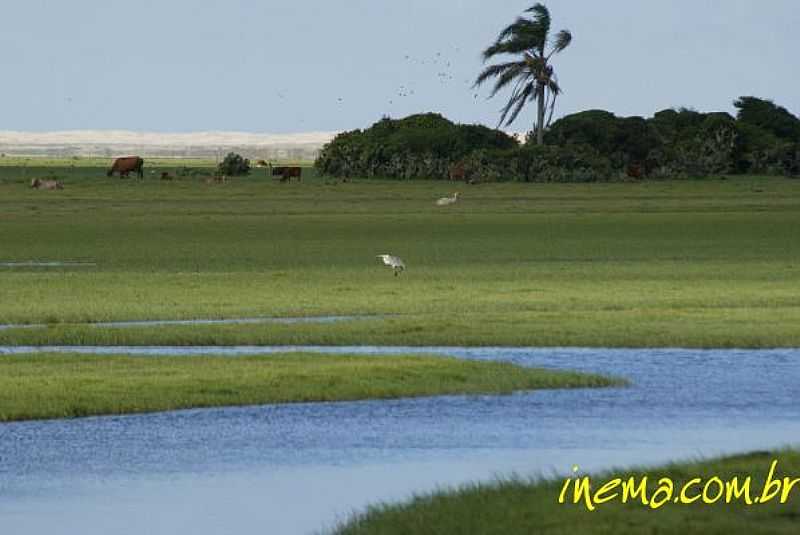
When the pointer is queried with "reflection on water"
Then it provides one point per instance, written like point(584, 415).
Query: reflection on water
point(296, 468)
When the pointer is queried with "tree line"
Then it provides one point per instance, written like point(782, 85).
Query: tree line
point(594, 145)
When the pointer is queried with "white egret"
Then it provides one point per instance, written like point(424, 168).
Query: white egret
point(446, 201)
point(394, 262)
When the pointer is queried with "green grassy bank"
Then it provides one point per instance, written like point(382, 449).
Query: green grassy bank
point(63, 386)
point(523, 507)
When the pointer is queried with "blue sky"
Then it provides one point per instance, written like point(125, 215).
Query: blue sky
point(306, 65)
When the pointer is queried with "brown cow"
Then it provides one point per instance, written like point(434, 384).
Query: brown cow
point(293, 172)
point(38, 183)
point(635, 170)
point(287, 173)
point(166, 176)
point(457, 172)
point(125, 165)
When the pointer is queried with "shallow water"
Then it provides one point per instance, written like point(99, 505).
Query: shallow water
point(229, 321)
point(297, 468)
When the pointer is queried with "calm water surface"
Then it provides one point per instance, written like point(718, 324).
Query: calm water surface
point(298, 468)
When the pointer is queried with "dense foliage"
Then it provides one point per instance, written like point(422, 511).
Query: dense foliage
point(419, 146)
point(234, 165)
point(589, 146)
point(768, 138)
point(763, 138)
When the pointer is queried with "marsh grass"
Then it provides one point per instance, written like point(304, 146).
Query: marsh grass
point(691, 263)
point(65, 385)
point(517, 506)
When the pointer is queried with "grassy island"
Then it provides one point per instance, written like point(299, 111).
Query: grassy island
point(67, 385)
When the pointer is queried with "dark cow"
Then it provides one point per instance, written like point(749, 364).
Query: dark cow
point(125, 165)
point(635, 170)
point(287, 173)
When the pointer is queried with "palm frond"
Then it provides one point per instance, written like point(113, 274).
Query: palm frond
point(562, 41)
point(511, 101)
point(539, 9)
point(515, 28)
point(523, 34)
point(494, 70)
point(540, 27)
point(527, 92)
point(508, 46)
point(504, 79)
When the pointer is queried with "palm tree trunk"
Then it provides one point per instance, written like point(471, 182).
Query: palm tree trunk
point(540, 118)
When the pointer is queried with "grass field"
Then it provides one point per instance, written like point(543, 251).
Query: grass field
point(712, 263)
point(523, 507)
point(64, 386)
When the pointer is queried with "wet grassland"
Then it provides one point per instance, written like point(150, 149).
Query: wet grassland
point(678, 263)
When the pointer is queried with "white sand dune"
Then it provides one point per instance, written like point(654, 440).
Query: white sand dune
point(127, 137)
point(303, 145)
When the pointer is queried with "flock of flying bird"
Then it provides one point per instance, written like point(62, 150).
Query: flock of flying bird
point(395, 262)
point(439, 62)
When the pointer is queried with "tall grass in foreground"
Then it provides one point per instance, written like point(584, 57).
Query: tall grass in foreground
point(63, 386)
point(524, 507)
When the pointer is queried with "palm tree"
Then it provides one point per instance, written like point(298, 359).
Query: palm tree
point(532, 73)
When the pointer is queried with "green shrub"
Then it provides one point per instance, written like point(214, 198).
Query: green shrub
point(570, 163)
point(673, 143)
point(538, 163)
point(766, 115)
point(234, 165)
point(705, 149)
point(623, 140)
point(418, 146)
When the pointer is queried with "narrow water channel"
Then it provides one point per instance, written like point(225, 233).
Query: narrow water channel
point(284, 469)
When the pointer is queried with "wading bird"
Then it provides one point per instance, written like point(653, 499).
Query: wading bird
point(446, 201)
point(393, 262)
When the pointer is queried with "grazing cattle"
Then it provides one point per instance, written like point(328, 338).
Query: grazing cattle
point(166, 176)
point(293, 172)
point(38, 183)
point(278, 172)
point(287, 173)
point(635, 170)
point(125, 165)
point(457, 172)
